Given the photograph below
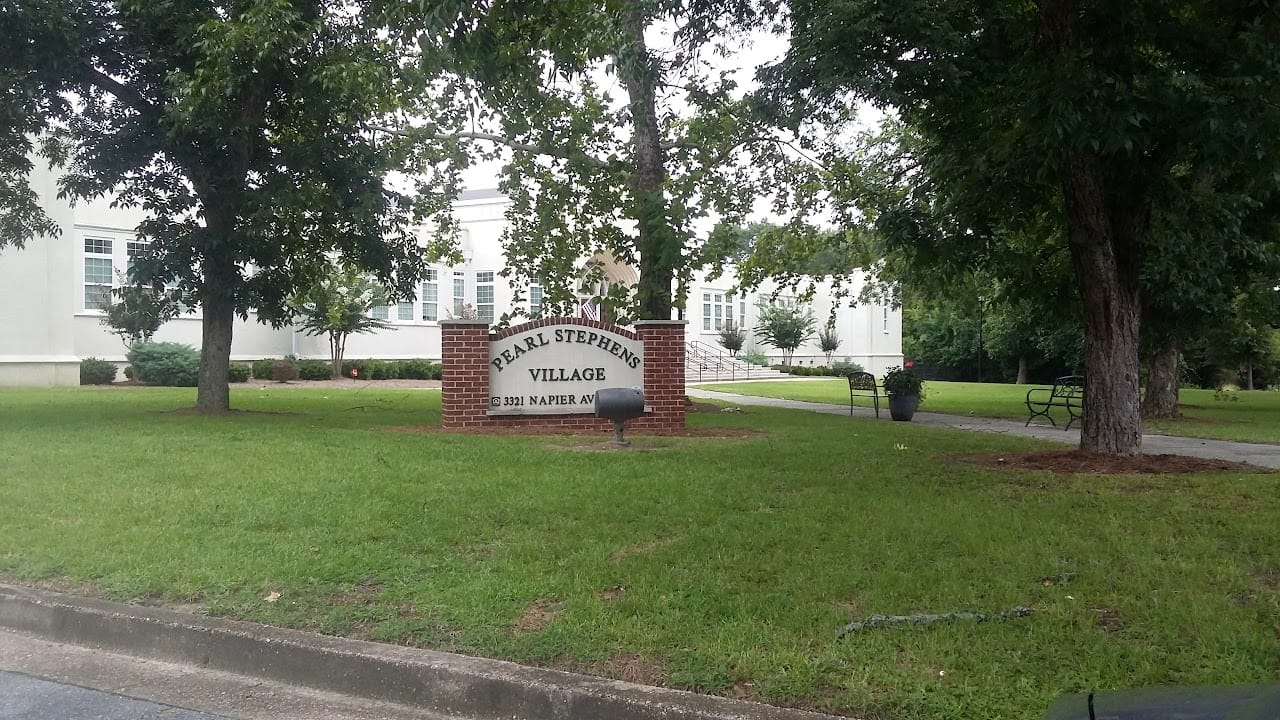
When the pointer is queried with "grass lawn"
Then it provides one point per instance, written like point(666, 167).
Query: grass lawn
point(1248, 416)
point(724, 565)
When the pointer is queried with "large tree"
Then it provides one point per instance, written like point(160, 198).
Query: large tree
point(618, 134)
point(1077, 114)
point(240, 128)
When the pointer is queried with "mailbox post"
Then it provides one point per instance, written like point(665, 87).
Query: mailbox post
point(619, 405)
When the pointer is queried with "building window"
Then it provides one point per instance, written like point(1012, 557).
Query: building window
point(886, 318)
point(97, 246)
point(535, 299)
point(97, 283)
point(717, 308)
point(484, 296)
point(381, 312)
point(431, 296)
point(459, 292)
point(404, 311)
point(97, 273)
point(132, 249)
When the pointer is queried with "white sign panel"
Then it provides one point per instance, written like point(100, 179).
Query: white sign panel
point(556, 369)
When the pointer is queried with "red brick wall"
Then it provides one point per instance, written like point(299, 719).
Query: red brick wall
point(465, 354)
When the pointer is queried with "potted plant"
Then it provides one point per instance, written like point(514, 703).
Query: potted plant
point(904, 388)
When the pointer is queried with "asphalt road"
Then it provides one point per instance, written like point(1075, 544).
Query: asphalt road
point(42, 680)
point(28, 698)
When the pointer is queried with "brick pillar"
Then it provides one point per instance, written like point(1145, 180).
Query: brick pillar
point(465, 379)
point(664, 358)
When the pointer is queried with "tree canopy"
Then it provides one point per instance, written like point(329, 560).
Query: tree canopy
point(1067, 125)
point(621, 132)
point(240, 128)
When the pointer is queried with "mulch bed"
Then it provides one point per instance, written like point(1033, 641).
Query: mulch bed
point(716, 432)
point(690, 407)
point(1081, 463)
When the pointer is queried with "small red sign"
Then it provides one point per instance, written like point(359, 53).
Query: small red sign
point(355, 372)
point(909, 363)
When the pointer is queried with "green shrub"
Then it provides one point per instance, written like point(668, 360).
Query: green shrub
point(416, 369)
point(165, 363)
point(239, 372)
point(754, 356)
point(437, 371)
point(903, 381)
point(375, 370)
point(395, 369)
point(732, 337)
point(314, 370)
point(284, 371)
point(97, 372)
point(262, 368)
point(845, 368)
point(128, 372)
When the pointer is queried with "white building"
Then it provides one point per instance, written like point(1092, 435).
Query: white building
point(50, 300)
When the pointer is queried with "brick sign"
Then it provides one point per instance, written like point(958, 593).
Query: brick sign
point(556, 369)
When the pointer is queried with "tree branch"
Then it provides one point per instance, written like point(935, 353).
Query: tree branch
point(120, 91)
point(724, 155)
point(555, 152)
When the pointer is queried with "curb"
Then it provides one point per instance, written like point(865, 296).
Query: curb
point(449, 684)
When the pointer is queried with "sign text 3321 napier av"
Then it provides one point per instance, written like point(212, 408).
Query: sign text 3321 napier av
point(556, 369)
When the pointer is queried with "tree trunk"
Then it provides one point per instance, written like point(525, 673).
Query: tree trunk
point(1022, 370)
point(218, 304)
point(659, 247)
point(1104, 233)
point(1108, 217)
point(1249, 375)
point(335, 356)
point(213, 394)
point(1160, 401)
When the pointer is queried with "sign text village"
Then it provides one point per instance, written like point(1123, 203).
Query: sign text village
point(557, 369)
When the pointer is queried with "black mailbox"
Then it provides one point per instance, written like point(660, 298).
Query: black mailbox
point(619, 405)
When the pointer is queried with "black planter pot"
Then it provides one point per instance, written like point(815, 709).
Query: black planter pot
point(903, 407)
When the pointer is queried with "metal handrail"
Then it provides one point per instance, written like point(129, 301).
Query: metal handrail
point(704, 356)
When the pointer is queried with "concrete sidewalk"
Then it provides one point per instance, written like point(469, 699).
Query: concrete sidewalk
point(1267, 456)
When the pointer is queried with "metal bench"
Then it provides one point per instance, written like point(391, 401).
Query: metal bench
point(1067, 392)
point(863, 384)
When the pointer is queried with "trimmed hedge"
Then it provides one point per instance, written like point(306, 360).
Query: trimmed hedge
point(314, 370)
point(841, 369)
point(97, 372)
point(165, 363)
point(365, 368)
point(419, 370)
point(262, 369)
point(239, 372)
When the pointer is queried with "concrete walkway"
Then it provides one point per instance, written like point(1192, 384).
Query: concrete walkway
point(1267, 456)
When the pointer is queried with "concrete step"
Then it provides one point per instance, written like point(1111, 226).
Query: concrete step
point(698, 373)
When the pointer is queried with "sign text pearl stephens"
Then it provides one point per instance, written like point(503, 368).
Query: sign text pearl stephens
point(556, 369)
